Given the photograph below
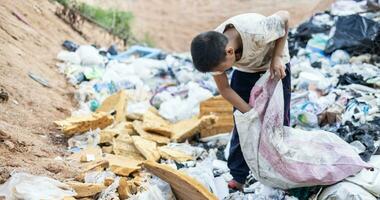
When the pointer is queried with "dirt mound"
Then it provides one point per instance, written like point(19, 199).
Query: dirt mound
point(172, 23)
point(30, 38)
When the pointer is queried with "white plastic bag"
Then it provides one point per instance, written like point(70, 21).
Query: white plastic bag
point(283, 157)
point(177, 109)
point(344, 191)
point(90, 56)
point(369, 179)
point(26, 186)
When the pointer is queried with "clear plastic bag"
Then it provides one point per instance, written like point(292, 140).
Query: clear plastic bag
point(26, 186)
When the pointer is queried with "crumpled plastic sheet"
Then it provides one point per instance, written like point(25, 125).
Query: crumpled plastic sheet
point(258, 191)
point(26, 186)
point(155, 188)
point(88, 139)
point(110, 193)
point(98, 176)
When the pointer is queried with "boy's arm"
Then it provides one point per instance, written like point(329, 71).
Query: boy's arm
point(229, 94)
point(277, 68)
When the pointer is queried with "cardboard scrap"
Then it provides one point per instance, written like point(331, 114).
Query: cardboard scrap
point(223, 110)
point(108, 181)
point(185, 129)
point(74, 125)
point(147, 148)
point(115, 102)
point(87, 155)
point(97, 166)
point(107, 149)
point(137, 125)
point(86, 189)
point(121, 165)
point(107, 135)
point(124, 127)
point(123, 145)
point(183, 186)
point(154, 123)
point(68, 198)
point(126, 188)
point(174, 154)
point(128, 125)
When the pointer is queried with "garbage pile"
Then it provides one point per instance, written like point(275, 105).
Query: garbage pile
point(335, 74)
point(135, 132)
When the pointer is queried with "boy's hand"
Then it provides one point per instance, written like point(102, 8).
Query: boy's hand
point(277, 69)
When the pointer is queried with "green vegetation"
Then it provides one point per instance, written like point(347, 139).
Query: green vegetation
point(148, 40)
point(64, 2)
point(116, 21)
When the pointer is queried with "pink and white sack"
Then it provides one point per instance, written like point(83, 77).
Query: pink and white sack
point(284, 157)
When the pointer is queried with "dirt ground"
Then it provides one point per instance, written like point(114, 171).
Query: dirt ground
point(173, 23)
point(30, 38)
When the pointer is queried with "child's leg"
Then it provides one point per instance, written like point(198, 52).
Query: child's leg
point(236, 163)
point(286, 84)
point(242, 84)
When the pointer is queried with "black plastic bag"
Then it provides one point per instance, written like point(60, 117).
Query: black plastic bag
point(303, 34)
point(356, 35)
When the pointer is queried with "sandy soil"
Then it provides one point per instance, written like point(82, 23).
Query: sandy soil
point(173, 23)
point(30, 38)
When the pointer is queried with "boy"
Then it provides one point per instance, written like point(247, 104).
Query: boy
point(253, 44)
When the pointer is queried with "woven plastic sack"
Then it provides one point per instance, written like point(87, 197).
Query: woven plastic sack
point(283, 157)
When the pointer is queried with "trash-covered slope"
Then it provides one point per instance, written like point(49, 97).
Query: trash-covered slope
point(30, 37)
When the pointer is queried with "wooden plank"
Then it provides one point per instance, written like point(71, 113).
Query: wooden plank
point(184, 187)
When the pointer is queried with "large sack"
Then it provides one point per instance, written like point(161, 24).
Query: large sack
point(284, 157)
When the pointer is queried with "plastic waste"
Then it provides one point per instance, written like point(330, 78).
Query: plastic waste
point(347, 7)
point(344, 191)
point(262, 192)
point(98, 176)
point(164, 187)
point(110, 193)
point(203, 173)
point(186, 148)
point(307, 157)
point(185, 108)
point(90, 56)
point(78, 142)
point(354, 34)
point(359, 146)
point(69, 57)
point(69, 45)
point(221, 187)
point(369, 179)
point(318, 42)
point(26, 186)
point(112, 50)
point(340, 57)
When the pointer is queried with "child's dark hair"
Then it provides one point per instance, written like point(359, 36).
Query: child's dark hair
point(208, 50)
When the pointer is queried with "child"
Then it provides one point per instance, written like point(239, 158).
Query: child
point(252, 43)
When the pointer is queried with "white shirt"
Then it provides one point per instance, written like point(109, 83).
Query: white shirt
point(258, 34)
